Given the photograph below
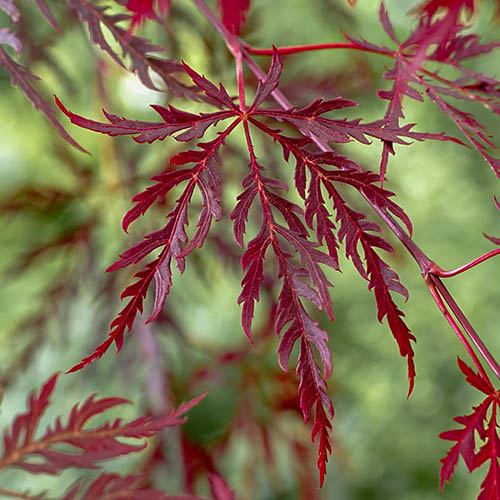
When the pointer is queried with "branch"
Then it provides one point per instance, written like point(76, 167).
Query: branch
point(459, 270)
point(297, 49)
point(462, 319)
point(456, 328)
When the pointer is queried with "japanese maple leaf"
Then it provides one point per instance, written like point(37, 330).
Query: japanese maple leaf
point(283, 236)
point(440, 39)
point(75, 441)
point(480, 425)
point(233, 14)
point(114, 487)
point(455, 6)
point(145, 9)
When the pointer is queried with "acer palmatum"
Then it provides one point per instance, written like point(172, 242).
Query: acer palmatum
point(296, 243)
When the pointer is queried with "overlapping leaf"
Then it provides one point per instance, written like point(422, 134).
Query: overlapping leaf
point(114, 486)
point(22, 78)
point(480, 425)
point(139, 50)
point(25, 447)
point(233, 13)
point(192, 126)
point(438, 39)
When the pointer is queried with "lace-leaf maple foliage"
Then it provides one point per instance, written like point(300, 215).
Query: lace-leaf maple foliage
point(73, 442)
point(297, 243)
point(299, 258)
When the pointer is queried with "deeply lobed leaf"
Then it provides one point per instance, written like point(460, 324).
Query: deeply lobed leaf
point(477, 425)
point(27, 448)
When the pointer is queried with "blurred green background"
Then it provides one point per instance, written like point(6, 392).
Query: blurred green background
point(54, 307)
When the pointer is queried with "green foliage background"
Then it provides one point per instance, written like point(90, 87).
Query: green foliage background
point(386, 445)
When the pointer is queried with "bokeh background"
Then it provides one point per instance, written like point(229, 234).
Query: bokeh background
point(60, 228)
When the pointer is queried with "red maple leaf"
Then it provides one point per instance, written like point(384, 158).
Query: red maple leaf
point(145, 9)
point(233, 14)
point(480, 425)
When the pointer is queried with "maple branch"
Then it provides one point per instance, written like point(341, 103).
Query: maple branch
point(459, 270)
point(297, 49)
point(456, 328)
point(469, 329)
point(425, 263)
point(241, 81)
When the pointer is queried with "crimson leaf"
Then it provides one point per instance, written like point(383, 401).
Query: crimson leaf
point(476, 425)
point(114, 486)
point(233, 13)
point(27, 448)
point(139, 49)
point(22, 78)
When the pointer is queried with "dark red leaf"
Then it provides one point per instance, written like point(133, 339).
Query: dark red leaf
point(355, 229)
point(267, 86)
point(474, 427)
point(386, 23)
point(474, 379)
point(308, 121)
point(233, 14)
point(191, 125)
point(85, 446)
point(215, 94)
point(138, 49)
point(252, 263)
point(172, 238)
point(22, 77)
point(157, 192)
point(47, 12)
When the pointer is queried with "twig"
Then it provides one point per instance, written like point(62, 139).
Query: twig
point(459, 270)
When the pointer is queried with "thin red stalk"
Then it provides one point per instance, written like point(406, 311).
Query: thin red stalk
point(458, 332)
point(459, 270)
point(425, 264)
point(241, 81)
point(297, 49)
point(462, 319)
